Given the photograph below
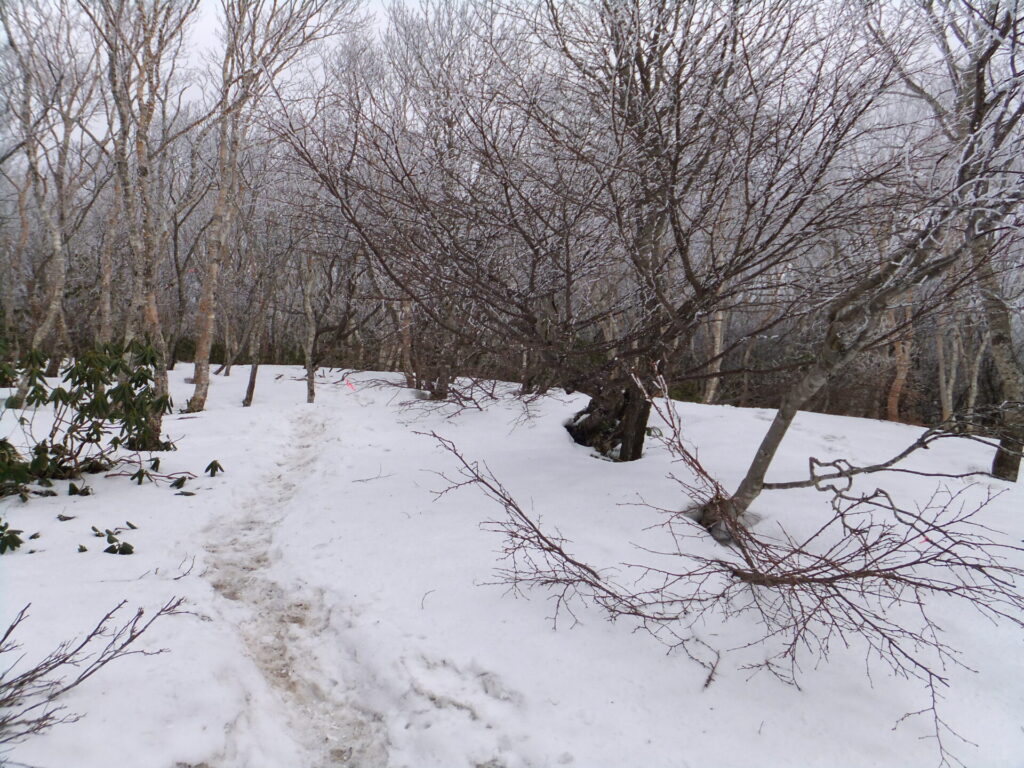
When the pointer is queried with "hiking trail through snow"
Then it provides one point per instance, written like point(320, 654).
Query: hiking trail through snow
point(279, 623)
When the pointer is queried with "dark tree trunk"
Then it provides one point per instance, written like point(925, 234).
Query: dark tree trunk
point(250, 388)
point(437, 382)
point(614, 423)
point(254, 356)
point(1006, 464)
point(61, 345)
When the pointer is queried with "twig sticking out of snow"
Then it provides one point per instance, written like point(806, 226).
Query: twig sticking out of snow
point(868, 574)
point(29, 699)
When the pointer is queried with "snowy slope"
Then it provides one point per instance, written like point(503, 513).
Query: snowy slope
point(341, 614)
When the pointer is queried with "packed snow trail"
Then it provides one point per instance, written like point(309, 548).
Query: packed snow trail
point(280, 623)
point(318, 644)
point(310, 641)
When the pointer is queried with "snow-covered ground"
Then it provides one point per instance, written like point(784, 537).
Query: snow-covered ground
point(342, 615)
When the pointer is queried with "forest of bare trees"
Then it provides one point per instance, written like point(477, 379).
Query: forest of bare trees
point(782, 203)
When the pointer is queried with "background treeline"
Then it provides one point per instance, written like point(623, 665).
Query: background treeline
point(778, 201)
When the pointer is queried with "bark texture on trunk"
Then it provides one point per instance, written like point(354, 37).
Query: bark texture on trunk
point(716, 332)
point(1006, 463)
point(250, 388)
point(901, 351)
point(7, 300)
point(405, 320)
point(153, 440)
point(753, 482)
point(947, 370)
point(255, 341)
point(614, 423)
point(309, 346)
point(105, 331)
point(57, 268)
point(231, 349)
point(229, 139)
point(972, 379)
point(205, 320)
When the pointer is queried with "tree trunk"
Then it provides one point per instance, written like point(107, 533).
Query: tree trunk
point(161, 385)
point(901, 351)
point(7, 331)
point(53, 366)
point(1006, 463)
point(231, 349)
point(745, 389)
point(250, 388)
point(16, 254)
point(855, 318)
point(61, 345)
point(405, 318)
point(947, 371)
point(972, 381)
point(205, 318)
point(229, 138)
point(753, 482)
point(234, 348)
point(254, 355)
point(56, 275)
point(105, 332)
point(614, 423)
point(309, 347)
point(716, 332)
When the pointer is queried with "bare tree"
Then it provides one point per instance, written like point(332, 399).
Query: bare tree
point(729, 161)
point(967, 76)
point(968, 183)
point(262, 39)
point(143, 43)
point(54, 100)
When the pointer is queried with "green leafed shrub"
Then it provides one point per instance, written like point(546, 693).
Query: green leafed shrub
point(106, 399)
point(10, 539)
